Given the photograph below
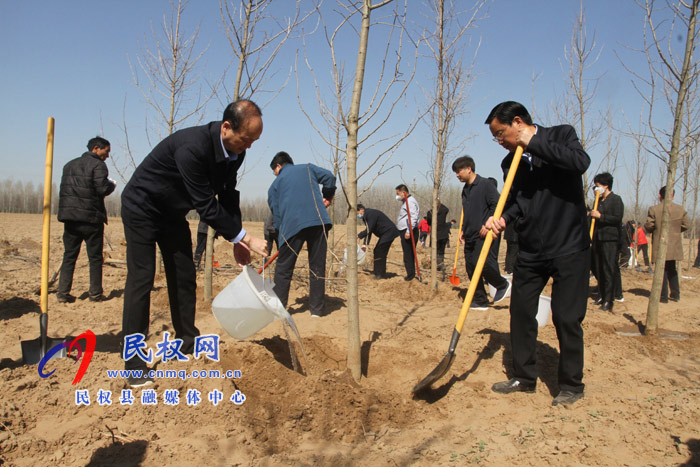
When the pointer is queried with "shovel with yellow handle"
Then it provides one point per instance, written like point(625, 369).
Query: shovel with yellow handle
point(34, 350)
point(449, 357)
point(595, 208)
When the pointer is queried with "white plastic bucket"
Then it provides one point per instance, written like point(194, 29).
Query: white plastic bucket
point(247, 305)
point(544, 309)
point(361, 254)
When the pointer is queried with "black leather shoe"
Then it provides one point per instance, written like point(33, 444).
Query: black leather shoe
point(663, 300)
point(606, 306)
point(598, 301)
point(409, 278)
point(513, 385)
point(674, 299)
point(98, 298)
point(567, 398)
point(68, 298)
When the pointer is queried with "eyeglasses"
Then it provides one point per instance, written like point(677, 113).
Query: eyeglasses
point(498, 137)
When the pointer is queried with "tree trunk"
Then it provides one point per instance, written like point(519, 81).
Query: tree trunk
point(354, 361)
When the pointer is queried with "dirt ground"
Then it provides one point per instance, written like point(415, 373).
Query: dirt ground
point(641, 405)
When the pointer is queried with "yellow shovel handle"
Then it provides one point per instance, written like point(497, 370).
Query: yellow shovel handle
point(45, 236)
point(595, 208)
point(488, 240)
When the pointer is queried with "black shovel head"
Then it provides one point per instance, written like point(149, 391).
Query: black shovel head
point(33, 351)
point(439, 371)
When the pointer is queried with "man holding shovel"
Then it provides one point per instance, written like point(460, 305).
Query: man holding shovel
point(407, 223)
point(547, 200)
point(299, 212)
point(194, 168)
point(479, 199)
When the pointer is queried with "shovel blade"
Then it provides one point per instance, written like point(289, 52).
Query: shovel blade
point(439, 371)
point(33, 351)
point(454, 280)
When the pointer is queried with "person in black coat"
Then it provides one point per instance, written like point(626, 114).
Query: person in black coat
point(547, 205)
point(378, 224)
point(442, 234)
point(606, 238)
point(194, 168)
point(81, 208)
point(479, 200)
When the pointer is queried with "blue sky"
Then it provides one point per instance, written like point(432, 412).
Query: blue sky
point(70, 60)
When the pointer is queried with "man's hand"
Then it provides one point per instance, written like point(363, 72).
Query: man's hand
point(483, 231)
point(595, 214)
point(496, 226)
point(407, 235)
point(525, 134)
point(242, 249)
point(461, 237)
point(326, 202)
point(364, 247)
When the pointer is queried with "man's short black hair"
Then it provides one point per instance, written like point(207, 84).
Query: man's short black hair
point(662, 192)
point(506, 111)
point(238, 111)
point(98, 141)
point(281, 158)
point(360, 206)
point(403, 188)
point(604, 179)
point(462, 163)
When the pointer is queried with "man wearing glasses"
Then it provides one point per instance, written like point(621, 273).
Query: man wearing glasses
point(547, 207)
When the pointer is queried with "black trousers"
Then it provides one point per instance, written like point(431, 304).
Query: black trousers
point(645, 253)
point(696, 264)
point(74, 234)
point(490, 273)
point(316, 244)
point(175, 243)
point(511, 254)
point(409, 259)
point(608, 270)
point(441, 245)
point(381, 252)
point(569, 295)
point(670, 281)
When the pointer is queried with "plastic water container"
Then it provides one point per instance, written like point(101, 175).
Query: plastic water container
point(544, 309)
point(361, 254)
point(247, 305)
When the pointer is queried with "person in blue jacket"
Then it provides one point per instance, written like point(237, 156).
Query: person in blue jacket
point(299, 215)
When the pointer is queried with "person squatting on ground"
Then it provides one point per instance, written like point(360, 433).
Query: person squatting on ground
point(606, 237)
point(442, 234)
point(547, 204)
point(378, 224)
point(479, 200)
point(187, 170)
point(405, 226)
point(678, 220)
point(81, 207)
point(300, 216)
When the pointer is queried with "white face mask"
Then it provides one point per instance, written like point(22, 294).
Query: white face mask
point(599, 189)
point(399, 198)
